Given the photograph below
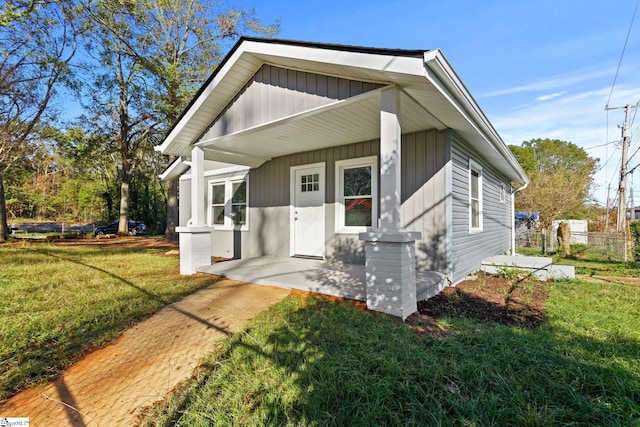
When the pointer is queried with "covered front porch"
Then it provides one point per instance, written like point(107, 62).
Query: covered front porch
point(326, 277)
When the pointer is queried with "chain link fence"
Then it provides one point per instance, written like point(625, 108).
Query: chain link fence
point(609, 244)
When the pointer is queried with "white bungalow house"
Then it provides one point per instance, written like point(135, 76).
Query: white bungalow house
point(378, 159)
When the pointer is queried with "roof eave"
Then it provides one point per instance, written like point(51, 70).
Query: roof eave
point(439, 70)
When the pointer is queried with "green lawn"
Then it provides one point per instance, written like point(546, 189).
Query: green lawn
point(592, 262)
point(58, 302)
point(315, 362)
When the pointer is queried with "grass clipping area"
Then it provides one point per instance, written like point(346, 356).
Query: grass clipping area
point(311, 361)
point(58, 302)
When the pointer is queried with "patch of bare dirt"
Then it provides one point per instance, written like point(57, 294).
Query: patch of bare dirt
point(120, 242)
point(633, 281)
point(490, 298)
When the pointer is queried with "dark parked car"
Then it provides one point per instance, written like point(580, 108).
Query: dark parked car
point(136, 228)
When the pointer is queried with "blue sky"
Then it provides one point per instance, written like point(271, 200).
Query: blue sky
point(538, 68)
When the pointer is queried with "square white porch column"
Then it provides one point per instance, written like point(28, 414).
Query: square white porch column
point(390, 252)
point(390, 171)
point(195, 238)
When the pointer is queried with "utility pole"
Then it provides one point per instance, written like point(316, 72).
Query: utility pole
point(622, 201)
point(626, 139)
point(606, 227)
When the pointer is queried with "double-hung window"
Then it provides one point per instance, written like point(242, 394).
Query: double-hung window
point(356, 194)
point(475, 197)
point(228, 203)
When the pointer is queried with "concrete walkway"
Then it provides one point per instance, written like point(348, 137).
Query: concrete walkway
point(108, 387)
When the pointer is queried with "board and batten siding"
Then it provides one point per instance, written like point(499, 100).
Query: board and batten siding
point(274, 93)
point(269, 208)
point(424, 157)
point(469, 249)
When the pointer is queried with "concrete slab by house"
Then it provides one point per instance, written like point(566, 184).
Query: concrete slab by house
point(540, 267)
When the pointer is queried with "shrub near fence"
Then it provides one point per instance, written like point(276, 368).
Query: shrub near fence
point(635, 235)
point(611, 244)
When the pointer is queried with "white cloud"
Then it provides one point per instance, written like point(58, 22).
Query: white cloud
point(577, 117)
point(549, 97)
point(555, 82)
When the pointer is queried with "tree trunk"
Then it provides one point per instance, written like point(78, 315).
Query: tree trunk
point(564, 239)
point(4, 228)
point(172, 211)
point(123, 226)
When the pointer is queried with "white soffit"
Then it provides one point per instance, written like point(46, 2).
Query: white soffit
point(342, 122)
point(175, 169)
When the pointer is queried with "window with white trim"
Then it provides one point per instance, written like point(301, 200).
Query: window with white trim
point(228, 203)
point(475, 196)
point(356, 194)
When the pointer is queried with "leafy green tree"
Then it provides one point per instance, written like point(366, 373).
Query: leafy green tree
point(153, 56)
point(119, 107)
point(188, 39)
point(561, 178)
point(37, 44)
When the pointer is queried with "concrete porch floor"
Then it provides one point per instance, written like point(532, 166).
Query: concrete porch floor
point(325, 277)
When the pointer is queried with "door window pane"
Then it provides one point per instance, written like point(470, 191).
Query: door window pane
point(310, 183)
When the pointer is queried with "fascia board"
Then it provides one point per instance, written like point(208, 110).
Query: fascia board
point(375, 62)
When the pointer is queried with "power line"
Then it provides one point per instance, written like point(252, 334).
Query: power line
point(602, 145)
point(623, 49)
point(605, 164)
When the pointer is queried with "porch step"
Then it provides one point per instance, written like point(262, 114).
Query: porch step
point(541, 268)
point(429, 284)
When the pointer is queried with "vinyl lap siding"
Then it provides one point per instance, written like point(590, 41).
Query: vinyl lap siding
point(469, 249)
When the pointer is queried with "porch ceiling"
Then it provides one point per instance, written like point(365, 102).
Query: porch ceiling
point(342, 122)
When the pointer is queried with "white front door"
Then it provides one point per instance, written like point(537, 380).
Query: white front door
point(308, 192)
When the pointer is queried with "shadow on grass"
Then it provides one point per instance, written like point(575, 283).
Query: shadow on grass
point(317, 362)
point(155, 297)
point(51, 342)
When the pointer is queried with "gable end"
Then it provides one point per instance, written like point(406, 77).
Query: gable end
point(274, 93)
